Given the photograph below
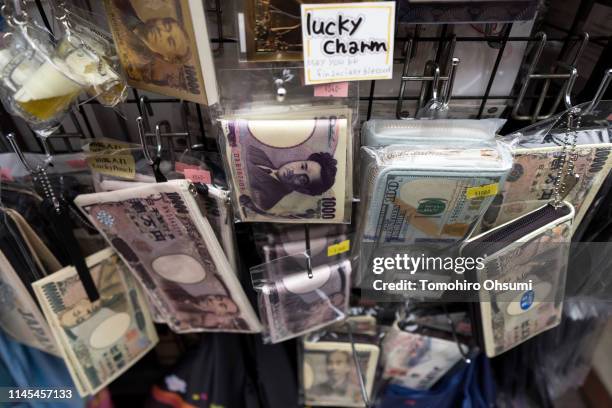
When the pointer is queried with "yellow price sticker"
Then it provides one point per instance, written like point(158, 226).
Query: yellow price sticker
point(339, 248)
point(481, 191)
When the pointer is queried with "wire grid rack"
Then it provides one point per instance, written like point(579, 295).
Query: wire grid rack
point(195, 117)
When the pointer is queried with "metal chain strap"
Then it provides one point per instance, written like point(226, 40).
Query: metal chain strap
point(568, 155)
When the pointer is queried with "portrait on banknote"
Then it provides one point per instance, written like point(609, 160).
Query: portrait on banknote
point(288, 170)
point(160, 232)
point(157, 46)
point(104, 337)
point(330, 376)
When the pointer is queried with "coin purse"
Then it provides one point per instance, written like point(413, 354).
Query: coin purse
point(294, 300)
point(532, 249)
point(522, 283)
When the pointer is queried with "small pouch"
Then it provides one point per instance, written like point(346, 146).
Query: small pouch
point(294, 301)
point(522, 283)
point(330, 376)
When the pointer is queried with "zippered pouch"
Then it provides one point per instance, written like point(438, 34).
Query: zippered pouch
point(436, 131)
point(531, 251)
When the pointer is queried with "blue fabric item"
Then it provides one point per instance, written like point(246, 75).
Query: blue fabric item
point(465, 386)
point(27, 367)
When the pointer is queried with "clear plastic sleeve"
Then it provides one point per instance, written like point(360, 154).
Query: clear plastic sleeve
point(295, 300)
point(424, 197)
point(330, 375)
point(288, 147)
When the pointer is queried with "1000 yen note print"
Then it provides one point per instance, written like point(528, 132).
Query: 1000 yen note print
point(288, 170)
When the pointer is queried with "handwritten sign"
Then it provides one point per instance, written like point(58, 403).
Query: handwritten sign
point(117, 165)
point(348, 41)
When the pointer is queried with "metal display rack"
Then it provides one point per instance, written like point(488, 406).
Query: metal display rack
point(534, 92)
point(557, 87)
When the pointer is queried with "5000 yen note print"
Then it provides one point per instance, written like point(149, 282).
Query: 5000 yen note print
point(172, 249)
point(288, 170)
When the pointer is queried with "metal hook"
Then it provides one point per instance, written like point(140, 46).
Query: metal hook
point(13, 142)
point(21, 156)
point(605, 82)
point(399, 113)
point(464, 355)
point(440, 98)
point(143, 140)
point(565, 93)
point(308, 258)
point(362, 381)
point(146, 110)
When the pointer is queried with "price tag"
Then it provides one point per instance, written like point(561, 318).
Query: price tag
point(77, 163)
point(117, 165)
point(180, 167)
point(348, 41)
point(198, 176)
point(339, 248)
point(6, 174)
point(481, 191)
point(338, 90)
point(107, 146)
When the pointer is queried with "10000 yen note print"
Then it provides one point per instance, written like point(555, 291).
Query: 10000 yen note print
point(288, 170)
point(102, 339)
point(171, 247)
point(157, 43)
point(530, 183)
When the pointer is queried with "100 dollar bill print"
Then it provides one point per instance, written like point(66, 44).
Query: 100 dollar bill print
point(157, 47)
point(100, 339)
point(531, 181)
point(288, 170)
point(172, 249)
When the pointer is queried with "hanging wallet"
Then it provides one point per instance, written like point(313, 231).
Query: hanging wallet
point(533, 248)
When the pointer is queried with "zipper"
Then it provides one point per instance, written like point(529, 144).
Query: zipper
point(516, 229)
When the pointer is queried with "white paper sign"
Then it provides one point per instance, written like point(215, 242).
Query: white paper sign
point(348, 41)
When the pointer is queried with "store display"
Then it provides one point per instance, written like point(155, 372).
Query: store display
point(289, 170)
point(164, 239)
point(165, 48)
point(229, 234)
point(330, 375)
point(98, 340)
